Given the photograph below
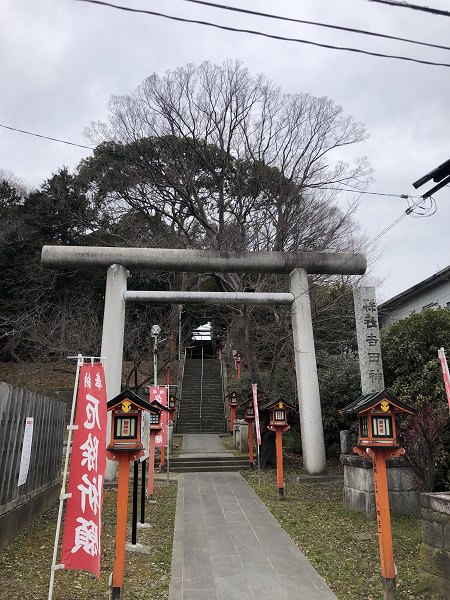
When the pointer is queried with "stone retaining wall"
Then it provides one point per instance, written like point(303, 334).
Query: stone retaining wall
point(435, 548)
point(359, 494)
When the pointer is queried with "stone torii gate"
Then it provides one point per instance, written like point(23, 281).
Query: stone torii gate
point(297, 264)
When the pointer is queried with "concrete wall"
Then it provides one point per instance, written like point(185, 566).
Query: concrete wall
point(17, 516)
point(359, 494)
point(240, 435)
point(435, 548)
point(439, 296)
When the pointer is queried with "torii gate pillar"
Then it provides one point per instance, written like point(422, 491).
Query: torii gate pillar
point(313, 446)
point(112, 342)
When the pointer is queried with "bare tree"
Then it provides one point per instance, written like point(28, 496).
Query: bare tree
point(230, 161)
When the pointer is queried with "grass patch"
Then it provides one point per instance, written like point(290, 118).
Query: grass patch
point(26, 561)
point(343, 545)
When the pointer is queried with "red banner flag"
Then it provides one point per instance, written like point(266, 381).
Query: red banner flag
point(82, 529)
point(159, 393)
point(256, 411)
point(445, 373)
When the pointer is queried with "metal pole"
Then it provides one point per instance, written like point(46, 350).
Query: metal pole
point(62, 495)
point(259, 467)
point(135, 499)
point(155, 360)
point(201, 392)
point(144, 467)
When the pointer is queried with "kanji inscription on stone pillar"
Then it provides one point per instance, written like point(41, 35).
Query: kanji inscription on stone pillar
point(368, 336)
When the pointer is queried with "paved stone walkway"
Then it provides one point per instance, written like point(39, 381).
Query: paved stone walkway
point(228, 546)
point(202, 444)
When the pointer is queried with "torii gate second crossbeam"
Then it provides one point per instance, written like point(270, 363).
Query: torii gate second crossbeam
point(298, 264)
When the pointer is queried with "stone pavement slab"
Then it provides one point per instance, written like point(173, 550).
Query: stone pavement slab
point(227, 545)
point(202, 444)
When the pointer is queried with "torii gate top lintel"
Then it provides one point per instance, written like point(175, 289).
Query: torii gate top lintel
point(203, 261)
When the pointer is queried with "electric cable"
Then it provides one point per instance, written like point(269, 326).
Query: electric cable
point(139, 161)
point(316, 24)
point(264, 34)
point(427, 9)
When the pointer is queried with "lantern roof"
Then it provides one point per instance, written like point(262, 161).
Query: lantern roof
point(173, 397)
point(245, 402)
point(132, 397)
point(368, 401)
point(273, 404)
point(233, 394)
point(159, 407)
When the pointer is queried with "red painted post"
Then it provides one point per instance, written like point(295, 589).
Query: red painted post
point(380, 481)
point(121, 525)
point(250, 442)
point(232, 417)
point(151, 464)
point(279, 448)
point(168, 374)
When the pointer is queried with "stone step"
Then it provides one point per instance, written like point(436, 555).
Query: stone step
point(208, 463)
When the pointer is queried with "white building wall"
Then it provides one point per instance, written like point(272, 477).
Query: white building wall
point(436, 297)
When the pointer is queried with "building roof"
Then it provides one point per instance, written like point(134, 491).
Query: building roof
point(430, 282)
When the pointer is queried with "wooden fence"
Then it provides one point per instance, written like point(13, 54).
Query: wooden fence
point(44, 472)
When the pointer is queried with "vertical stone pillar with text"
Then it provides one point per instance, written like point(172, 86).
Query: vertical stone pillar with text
point(368, 337)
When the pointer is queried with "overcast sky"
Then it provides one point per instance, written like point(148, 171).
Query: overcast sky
point(61, 60)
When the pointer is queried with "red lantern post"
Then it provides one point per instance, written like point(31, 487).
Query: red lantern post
point(125, 446)
point(377, 440)
point(278, 423)
point(233, 402)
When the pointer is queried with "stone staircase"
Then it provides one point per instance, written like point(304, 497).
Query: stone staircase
point(199, 464)
point(212, 418)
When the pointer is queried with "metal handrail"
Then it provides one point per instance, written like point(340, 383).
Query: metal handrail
point(223, 390)
point(201, 392)
point(180, 392)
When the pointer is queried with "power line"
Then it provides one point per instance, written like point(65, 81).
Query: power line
point(46, 137)
point(355, 191)
point(316, 24)
point(117, 152)
point(263, 34)
point(427, 9)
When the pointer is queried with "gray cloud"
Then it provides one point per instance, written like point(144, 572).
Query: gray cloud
point(61, 61)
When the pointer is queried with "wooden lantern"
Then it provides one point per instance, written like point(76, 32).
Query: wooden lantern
point(232, 399)
point(377, 440)
point(126, 415)
point(233, 402)
point(279, 410)
point(173, 402)
point(155, 419)
point(376, 415)
point(249, 410)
